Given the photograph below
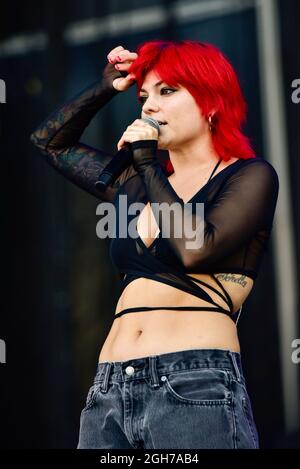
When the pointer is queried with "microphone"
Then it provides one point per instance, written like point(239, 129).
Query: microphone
point(121, 161)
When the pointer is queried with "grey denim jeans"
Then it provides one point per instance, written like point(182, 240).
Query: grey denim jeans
point(186, 399)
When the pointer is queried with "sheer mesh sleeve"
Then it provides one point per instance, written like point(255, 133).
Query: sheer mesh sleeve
point(244, 205)
point(57, 138)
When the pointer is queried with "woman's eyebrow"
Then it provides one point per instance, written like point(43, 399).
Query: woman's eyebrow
point(156, 84)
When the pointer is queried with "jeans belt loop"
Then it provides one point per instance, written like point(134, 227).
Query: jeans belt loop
point(153, 372)
point(104, 384)
point(235, 366)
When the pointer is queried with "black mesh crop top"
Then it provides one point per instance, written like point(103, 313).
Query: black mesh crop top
point(239, 205)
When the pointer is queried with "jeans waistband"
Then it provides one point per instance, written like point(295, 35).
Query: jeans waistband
point(155, 365)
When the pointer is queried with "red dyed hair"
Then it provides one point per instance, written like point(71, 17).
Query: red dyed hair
point(210, 78)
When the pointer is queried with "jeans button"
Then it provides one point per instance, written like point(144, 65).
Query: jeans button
point(129, 370)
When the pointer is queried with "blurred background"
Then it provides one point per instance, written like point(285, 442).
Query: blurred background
point(59, 286)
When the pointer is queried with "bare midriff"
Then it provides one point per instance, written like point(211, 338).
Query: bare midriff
point(144, 333)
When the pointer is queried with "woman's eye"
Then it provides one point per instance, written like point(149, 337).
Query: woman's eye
point(142, 99)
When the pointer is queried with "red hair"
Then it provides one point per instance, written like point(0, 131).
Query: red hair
point(210, 78)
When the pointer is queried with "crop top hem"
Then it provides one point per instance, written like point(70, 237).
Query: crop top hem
point(248, 272)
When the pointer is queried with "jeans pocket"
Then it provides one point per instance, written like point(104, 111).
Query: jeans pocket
point(92, 396)
point(204, 386)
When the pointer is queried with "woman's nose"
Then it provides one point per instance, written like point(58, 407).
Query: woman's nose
point(150, 105)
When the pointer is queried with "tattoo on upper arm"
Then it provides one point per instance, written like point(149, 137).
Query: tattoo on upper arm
point(240, 279)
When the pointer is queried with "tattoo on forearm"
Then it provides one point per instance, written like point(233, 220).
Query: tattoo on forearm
point(241, 279)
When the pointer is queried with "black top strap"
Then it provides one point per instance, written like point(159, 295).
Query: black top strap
point(214, 170)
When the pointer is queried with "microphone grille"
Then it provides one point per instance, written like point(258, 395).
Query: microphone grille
point(152, 122)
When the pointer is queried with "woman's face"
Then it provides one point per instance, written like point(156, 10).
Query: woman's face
point(177, 107)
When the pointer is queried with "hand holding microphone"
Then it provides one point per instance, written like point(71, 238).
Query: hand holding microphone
point(141, 129)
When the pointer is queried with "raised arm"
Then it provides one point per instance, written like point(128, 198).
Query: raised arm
point(244, 205)
point(57, 137)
